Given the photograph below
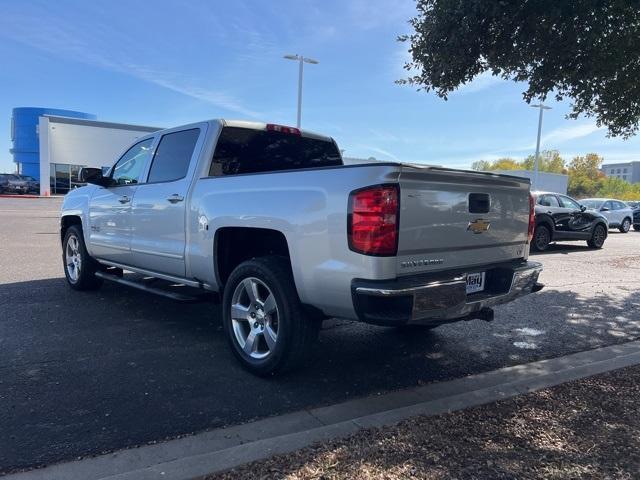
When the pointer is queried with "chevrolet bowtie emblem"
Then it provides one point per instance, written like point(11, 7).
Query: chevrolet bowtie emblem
point(479, 225)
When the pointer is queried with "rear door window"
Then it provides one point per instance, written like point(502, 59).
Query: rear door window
point(566, 202)
point(173, 156)
point(245, 150)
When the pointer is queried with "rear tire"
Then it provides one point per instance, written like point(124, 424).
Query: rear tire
point(625, 226)
point(598, 237)
point(79, 266)
point(263, 318)
point(541, 238)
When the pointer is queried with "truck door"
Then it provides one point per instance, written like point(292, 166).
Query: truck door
point(159, 207)
point(110, 207)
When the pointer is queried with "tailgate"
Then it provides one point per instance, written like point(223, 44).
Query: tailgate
point(454, 219)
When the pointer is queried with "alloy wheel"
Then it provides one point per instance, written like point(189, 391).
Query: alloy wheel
point(72, 258)
point(542, 238)
point(254, 317)
point(598, 236)
point(626, 225)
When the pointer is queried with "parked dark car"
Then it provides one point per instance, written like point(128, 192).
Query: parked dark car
point(33, 186)
point(560, 217)
point(14, 184)
point(635, 206)
point(4, 182)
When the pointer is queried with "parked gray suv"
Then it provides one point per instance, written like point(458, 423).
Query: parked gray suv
point(618, 213)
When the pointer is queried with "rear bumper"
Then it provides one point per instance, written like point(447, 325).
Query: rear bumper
point(441, 298)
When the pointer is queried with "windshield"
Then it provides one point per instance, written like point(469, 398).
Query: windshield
point(593, 204)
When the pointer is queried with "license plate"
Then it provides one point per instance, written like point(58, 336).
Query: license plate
point(475, 282)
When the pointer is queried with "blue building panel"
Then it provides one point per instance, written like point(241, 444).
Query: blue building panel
point(24, 135)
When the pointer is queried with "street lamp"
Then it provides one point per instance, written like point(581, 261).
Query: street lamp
point(535, 163)
point(302, 61)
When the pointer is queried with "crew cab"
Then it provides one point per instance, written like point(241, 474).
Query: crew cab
point(268, 218)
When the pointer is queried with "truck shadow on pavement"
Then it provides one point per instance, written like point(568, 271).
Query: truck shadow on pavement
point(564, 248)
point(88, 372)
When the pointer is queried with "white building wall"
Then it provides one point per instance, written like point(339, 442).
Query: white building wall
point(547, 182)
point(80, 143)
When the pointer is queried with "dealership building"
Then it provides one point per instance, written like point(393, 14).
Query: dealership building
point(52, 145)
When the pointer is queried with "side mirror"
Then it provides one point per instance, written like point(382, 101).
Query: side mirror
point(582, 208)
point(94, 176)
point(604, 209)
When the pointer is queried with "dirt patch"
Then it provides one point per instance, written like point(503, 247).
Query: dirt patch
point(585, 429)
point(627, 262)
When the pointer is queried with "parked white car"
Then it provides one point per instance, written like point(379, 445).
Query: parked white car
point(619, 214)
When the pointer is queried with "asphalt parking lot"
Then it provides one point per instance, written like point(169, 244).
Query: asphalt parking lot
point(85, 373)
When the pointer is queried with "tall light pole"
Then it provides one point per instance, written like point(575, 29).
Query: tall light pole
point(542, 108)
point(302, 61)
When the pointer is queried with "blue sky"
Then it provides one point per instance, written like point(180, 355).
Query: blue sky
point(168, 63)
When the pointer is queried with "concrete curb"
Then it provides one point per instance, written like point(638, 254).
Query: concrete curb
point(222, 449)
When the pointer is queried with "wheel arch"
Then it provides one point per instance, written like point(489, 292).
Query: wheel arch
point(547, 222)
point(604, 224)
point(234, 245)
point(67, 221)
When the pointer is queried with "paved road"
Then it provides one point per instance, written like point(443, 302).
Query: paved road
point(85, 373)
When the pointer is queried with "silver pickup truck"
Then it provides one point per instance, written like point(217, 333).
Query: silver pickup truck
point(269, 219)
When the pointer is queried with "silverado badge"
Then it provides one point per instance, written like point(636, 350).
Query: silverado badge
point(479, 225)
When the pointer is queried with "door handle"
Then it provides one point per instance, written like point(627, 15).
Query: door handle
point(175, 198)
point(124, 199)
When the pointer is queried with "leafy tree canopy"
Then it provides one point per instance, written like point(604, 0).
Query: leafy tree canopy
point(612, 187)
point(586, 50)
point(585, 177)
point(549, 161)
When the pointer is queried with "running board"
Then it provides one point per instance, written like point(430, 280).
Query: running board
point(146, 288)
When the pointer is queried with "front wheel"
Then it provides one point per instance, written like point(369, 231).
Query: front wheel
point(263, 318)
point(625, 226)
point(79, 266)
point(598, 237)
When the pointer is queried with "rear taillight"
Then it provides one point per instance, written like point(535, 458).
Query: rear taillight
point(532, 217)
point(373, 220)
point(272, 127)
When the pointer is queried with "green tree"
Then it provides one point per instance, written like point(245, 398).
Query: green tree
point(549, 161)
point(612, 187)
point(585, 177)
point(499, 164)
point(585, 50)
point(481, 165)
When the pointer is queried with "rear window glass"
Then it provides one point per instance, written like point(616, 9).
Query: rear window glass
point(244, 150)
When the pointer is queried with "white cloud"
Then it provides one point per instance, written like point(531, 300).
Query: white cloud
point(63, 39)
point(565, 134)
point(379, 151)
